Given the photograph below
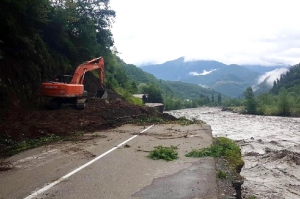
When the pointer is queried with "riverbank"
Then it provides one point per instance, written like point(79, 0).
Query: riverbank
point(270, 148)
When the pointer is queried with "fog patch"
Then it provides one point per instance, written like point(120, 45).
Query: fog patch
point(271, 76)
point(205, 72)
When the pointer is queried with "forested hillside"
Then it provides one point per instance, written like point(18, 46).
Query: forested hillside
point(40, 39)
point(175, 94)
point(289, 81)
point(282, 100)
point(43, 38)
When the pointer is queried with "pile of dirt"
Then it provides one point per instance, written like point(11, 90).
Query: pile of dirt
point(19, 124)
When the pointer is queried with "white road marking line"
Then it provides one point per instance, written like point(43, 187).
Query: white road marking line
point(49, 186)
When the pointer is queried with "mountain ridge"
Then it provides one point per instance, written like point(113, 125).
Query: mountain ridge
point(229, 79)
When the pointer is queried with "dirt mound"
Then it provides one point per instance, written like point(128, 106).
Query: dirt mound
point(19, 124)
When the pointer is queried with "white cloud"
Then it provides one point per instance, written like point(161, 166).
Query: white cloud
point(271, 76)
point(231, 31)
point(203, 73)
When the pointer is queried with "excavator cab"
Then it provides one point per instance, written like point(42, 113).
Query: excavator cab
point(63, 78)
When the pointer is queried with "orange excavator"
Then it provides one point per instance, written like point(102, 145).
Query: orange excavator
point(62, 91)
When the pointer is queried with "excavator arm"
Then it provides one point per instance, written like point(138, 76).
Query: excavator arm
point(97, 63)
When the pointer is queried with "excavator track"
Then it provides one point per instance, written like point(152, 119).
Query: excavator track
point(81, 104)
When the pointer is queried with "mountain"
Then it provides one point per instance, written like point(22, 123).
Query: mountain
point(176, 89)
point(229, 80)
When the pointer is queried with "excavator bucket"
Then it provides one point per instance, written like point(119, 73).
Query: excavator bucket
point(102, 94)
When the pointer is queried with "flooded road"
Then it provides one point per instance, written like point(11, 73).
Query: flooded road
point(270, 148)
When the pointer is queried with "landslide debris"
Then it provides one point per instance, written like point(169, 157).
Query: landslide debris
point(19, 127)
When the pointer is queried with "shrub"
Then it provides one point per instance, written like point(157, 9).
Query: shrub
point(221, 174)
point(222, 147)
point(165, 153)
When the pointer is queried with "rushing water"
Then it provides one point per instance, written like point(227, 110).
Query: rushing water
point(270, 148)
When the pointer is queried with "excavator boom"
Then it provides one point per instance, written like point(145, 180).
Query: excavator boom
point(97, 63)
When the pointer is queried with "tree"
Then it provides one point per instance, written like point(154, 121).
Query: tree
point(283, 103)
point(154, 93)
point(250, 103)
point(219, 99)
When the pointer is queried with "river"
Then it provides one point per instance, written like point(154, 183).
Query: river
point(270, 148)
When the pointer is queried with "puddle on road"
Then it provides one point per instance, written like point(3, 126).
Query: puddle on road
point(270, 147)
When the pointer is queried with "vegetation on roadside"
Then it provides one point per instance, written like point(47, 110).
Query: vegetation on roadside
point(160, 120)
point(185, 122)
point(10, 147)
point(150, 120)
point(221, 174)
point(222, 147)
point(165, 153)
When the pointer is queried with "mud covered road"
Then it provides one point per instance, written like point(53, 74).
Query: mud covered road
point(270, 148)
point(114, 164)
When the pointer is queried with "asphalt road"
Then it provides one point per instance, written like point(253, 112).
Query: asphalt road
point(113, 168)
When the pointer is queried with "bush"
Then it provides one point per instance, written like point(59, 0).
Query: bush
point(165, 153)
point(222, 147)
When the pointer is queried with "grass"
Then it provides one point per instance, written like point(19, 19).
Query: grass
point(222, 147)
point(185, 122)
point(9, 147)
point(251, 197)
point(149, 120)
point(165, 153)
point(221, 174)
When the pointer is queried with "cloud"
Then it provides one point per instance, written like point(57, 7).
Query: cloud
point(231, 31)
point(271, 76)
point(203, 73)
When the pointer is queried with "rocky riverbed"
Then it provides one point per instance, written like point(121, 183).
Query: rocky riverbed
point(270, 148)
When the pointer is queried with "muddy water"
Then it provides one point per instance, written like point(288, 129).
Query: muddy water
point(270, 148)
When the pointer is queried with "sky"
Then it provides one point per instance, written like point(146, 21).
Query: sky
point(241, 32)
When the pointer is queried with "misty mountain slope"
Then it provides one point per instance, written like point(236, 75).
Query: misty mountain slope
point(178, 69)
point(266, 81)
point(229, 80)
point(226, 73)
point(290, 81)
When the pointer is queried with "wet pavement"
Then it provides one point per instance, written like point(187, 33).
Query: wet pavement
point(117, 166)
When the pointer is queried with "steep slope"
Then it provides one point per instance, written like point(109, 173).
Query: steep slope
point(266, 80)
point(289, 81)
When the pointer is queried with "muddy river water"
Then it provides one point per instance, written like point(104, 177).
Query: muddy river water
point(270, 148)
